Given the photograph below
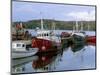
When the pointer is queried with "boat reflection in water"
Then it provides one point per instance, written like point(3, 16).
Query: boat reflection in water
point(16, 62)
point(77, 47)
point(73, 57)
point(18, 65)
point(47, 62)
point(39, 61)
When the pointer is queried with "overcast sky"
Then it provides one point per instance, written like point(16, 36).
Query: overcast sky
point(24, 11)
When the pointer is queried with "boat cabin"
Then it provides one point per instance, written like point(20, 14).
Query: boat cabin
point(20, 45)
point(46, 34)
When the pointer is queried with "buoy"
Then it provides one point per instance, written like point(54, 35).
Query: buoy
point(43, 48)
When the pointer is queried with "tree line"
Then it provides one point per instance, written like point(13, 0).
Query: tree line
point(61, 25)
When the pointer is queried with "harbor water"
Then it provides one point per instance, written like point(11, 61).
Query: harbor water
point(77, 57)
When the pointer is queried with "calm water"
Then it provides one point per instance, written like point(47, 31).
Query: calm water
point(58, 32)
point(69, 58)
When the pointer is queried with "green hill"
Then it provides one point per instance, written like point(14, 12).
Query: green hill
point(62, 25)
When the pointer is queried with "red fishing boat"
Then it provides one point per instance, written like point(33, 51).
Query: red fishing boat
point(42, 44)
point(91, 39)
point(45, 40)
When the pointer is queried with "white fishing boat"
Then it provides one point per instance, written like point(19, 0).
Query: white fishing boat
point(21, 49)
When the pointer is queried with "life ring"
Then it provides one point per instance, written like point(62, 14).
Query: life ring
point(43, 48)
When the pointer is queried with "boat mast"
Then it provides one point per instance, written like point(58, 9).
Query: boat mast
point(73, 28)
point(88, 26)
point(76, 26)
point(81, 26)
point(53, 25)
point(88, 23)
point(41, 21)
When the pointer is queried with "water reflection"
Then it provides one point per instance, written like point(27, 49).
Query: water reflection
point(71, 58)
point(18, 62)
point(44, 60)
point(18, 65)
point(77, 47)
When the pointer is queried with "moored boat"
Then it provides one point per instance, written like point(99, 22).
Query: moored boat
point(21, 49)
point(45, 40)
point(91, 39)
point(78, 36)
point(75, 37)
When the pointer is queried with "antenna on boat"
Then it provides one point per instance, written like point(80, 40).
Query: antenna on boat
point(88, 23)
point(76, 25)
point(73, 27)
point(41, 21)
point(53, 24)
point(81, 25)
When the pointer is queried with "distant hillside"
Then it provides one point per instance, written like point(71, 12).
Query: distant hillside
point(62, 25)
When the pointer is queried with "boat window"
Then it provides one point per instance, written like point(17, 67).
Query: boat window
point(18, 45)
point(23, 45)
point(44, 34)
point(47, 34)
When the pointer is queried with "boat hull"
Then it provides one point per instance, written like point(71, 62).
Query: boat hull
point(22, 54)
point(43, 45)
point(78, 39)
point(91, 39)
